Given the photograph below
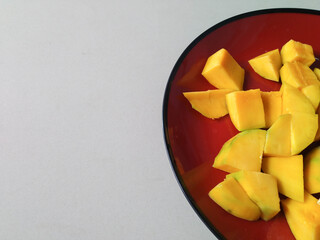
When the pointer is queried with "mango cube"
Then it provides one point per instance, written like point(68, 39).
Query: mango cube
point(272, 104)
point(242, 152)
point(262, 190)
point(312, 92)
point(297, 75)
point(303, 217)
point(312, 171)
point(317, 72)
point(267, 65)
point(211, 103)
point(297, 51)
point(246, 109)
point(289, 174)
point(231, 197)
point(222, 71)
point(317, 137)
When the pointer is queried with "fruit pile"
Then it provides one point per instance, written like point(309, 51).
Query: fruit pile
point(264, 158)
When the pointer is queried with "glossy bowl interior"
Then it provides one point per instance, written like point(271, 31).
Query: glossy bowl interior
point(193, 141)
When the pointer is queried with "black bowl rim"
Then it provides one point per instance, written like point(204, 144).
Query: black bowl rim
point(168, 87)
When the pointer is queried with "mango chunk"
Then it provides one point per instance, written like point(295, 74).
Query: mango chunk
point(278, 138)
point(317, 137)
point(242, 152)
point(232, 198)
point(289, 174)
point(294, 101)
point(317, 72)
point(211, 103)
point(267, 65)
point(246, 109)
point(312, 171)
point(312, 92)
point(297, 75)
point(272, 104)
point(222, 71)
point(297, 51)
point(303, 217)
point(304, 127)
point(262, 190)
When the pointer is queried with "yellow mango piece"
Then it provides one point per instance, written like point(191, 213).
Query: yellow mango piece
point(211, 103)
point(278, 138)
point(317, 137)
point(317, 72)
point(289, 174)
point(303, 217)
point(242, 152)
point(222, 71)
point(272, 104)
point(297, 75)
point(267, 65)
point(246, 109)
point(297, 51)
point(294, 101)
point(262, 190)
point(312, 92)
point(232, 198)
point(312, 171)
point(304, 127)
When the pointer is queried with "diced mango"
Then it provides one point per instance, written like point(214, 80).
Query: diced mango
point(262, 190)
point(222, 71)
point(317, 72)
point(304, 127)
point(211, 103)
point(297, 51)
point(312, 171)
point(278, 138)
point(312, 92)
point(294, 101)
point(297, 75)
point(242, 152)
point(272, 104)
point(246, 109)
point(289, 174)
point(231, 197)
point(317, 137)
point(267, 65)
point(303, 217)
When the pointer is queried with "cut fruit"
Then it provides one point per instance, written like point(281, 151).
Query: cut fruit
point(289, 174)
point(296, 51)
point(211, 103)
point(303, 217)
point(272, 104)
point(242, 152)
point(312, 92)
point(231, 197)
point(312, 171)
point(262, 190)
point(246, 109)
point(222, 71)
point(267, 65)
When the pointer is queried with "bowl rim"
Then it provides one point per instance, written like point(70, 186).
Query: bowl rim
point(168, 88)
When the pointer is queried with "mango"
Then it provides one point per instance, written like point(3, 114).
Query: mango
point(211, 103)
point(317, 72)
point(304, 127)
point(232, 198)
point(242, 152)
point(294, 101)
point(303, 217)
point(267, 65)
point(297, 75)
point(246, 109)
point(312, 92)
point(262, 190)
point(297, 51)
point(272, 105)
point(278, 138)
point(317, 137)
point(312, 171)
point(222, 71)
point(289, 174)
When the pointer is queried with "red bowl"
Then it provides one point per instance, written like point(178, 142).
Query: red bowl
point(193, 141)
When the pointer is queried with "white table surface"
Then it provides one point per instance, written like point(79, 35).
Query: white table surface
point(81, 87)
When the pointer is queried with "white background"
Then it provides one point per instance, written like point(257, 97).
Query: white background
point(82, 153)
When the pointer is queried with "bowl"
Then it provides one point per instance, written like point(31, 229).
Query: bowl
point(193, 141)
